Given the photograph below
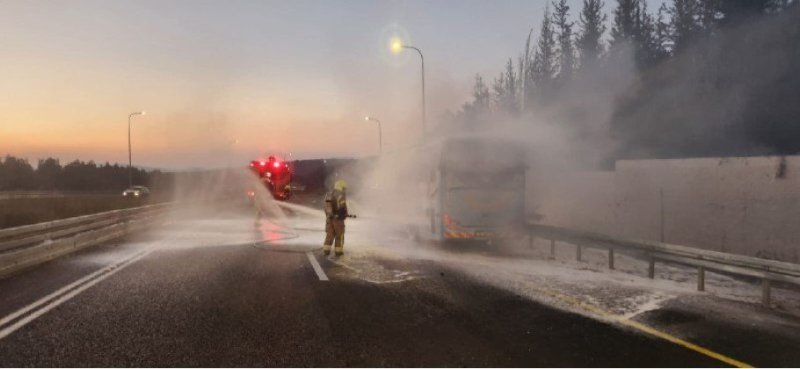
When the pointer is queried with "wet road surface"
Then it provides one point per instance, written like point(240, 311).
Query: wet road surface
point(224, 303)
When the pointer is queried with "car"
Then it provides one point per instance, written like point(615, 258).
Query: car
point(136, 191)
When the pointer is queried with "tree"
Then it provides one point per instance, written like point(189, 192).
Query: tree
point(566, 50)
point(544, 59)
point(664, 32)
point(47, 173)
point(481, 99)
point(710, 14)
point(592, 25)
point(16, 174)
point(475, 112)
point(736, 11)
point(684, 23)
point(649, 51)
point(635, 27)
point(505, 90)
point(625, 21)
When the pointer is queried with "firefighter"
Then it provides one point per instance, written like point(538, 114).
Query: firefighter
point(335, 214)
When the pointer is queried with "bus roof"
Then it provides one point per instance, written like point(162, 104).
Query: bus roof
point(482, 154)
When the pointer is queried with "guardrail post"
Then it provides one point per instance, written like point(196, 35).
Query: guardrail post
point(552, 249)
point(701, 278)
point(765, 292)
point(651, 269)
point(611, 258)
point(578, 250)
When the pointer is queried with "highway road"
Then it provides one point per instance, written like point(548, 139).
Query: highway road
point(215, 290)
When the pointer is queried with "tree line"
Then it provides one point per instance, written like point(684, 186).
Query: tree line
point(17, 174)
point(699, 77)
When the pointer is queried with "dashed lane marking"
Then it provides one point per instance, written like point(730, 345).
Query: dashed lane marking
point(316, 266)
point(66, 293)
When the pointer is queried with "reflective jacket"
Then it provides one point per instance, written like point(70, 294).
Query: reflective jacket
point(336, 205)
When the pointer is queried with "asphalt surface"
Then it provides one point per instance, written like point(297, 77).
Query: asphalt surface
point(223, 303)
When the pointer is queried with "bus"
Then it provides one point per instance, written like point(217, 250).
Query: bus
point(476, 189)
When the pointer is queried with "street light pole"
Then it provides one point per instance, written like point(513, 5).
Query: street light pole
point(130, 158)
point(422, 60)
point(397, 46)
point(380, 133)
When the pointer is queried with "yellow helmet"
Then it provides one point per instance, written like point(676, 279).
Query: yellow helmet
point(340, 185)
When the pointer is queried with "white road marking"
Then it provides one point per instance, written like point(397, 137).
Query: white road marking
point(316, 266)
point(109, 271)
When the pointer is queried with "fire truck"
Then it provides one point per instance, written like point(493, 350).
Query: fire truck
point(275, 175)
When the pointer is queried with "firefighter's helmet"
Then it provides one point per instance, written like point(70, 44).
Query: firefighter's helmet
point(340, 185)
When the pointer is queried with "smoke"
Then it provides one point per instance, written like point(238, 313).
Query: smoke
point(569, 132)
point(729, 93)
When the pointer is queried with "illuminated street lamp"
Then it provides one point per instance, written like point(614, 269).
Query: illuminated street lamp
point(397, 46)
point(130, 161)
point(380, 133)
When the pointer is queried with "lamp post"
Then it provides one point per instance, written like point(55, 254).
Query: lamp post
point(130, 160)
point(380, 132)
point(397, 46)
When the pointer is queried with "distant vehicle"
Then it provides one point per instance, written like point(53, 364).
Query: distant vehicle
point(136, 191)
point(275, 174)
point(476, 189)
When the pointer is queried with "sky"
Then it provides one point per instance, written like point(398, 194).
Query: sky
point(224, 82)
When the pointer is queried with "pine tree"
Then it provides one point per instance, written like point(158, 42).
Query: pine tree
point(625, 20)
point(474, 113)
point(649, 50)
point(710, 14)
point(635, 26)
point(734, 11)
point(481, 99)
point(592, 24)
point(664, 31)
point(505, 90)
point(566, 50)
point(684, 23)
point(544, 59)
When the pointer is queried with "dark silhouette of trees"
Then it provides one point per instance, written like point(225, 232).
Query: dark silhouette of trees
point(711, 77)
point(566, 47)
point(17, 174)
point(592, 28)
point(545, 63)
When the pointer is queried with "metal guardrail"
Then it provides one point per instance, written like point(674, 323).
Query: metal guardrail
point(705, 260)
point(26, 246)
point(6, 195)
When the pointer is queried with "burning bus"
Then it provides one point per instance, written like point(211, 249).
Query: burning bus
point(476, 189)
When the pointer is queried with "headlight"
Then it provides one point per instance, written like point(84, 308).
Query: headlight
point(136, 194)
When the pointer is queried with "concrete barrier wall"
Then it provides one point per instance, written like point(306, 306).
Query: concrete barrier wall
point(578, 199)
point(748, 206)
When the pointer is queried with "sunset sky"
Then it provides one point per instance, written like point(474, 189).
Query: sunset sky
point(278, 76)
